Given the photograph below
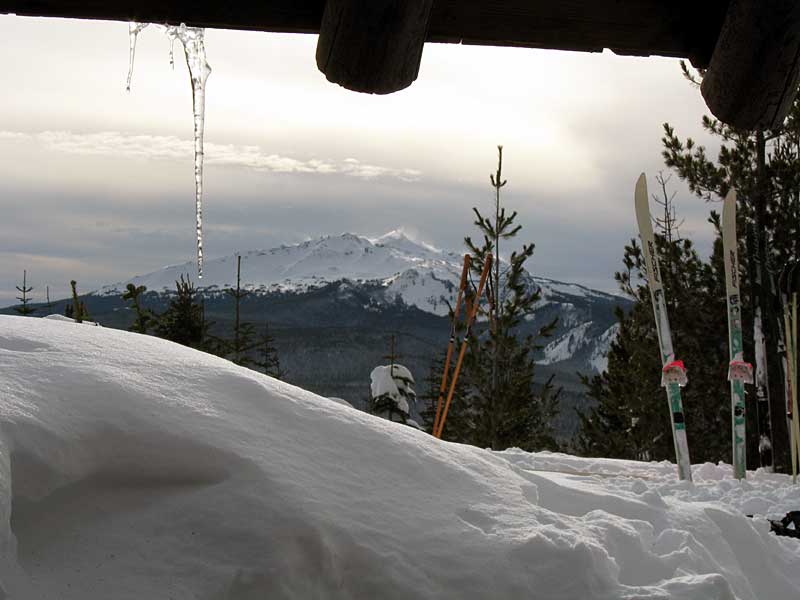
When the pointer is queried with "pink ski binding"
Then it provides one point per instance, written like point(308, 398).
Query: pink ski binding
point(740, 371)
point(674, 372)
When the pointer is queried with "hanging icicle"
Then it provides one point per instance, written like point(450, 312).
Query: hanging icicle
point(192, 40)
point(133, 34)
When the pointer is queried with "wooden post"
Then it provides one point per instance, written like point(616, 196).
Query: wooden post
point(373, 46)
point(752, 79)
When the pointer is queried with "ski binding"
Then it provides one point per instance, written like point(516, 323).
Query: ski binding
point(674, 372)
point(740, 370)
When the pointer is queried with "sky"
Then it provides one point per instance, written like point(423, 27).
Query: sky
point(97, 184)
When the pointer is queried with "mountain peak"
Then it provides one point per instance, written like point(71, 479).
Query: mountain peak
point(400, 239)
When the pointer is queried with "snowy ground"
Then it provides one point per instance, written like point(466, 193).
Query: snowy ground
point(133, 468)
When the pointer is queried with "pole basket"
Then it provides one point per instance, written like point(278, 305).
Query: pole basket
point(738, 370)
point(674, 372)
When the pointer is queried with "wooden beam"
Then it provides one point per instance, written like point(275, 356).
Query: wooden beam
point(373, 46)
point(752, 80)
point(678, 28)
point(683, 28)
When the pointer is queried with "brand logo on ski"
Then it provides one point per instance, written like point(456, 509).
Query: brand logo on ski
point(653, 261)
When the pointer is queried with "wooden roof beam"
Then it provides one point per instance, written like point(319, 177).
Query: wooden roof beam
point(683, 28)
point(750, 47)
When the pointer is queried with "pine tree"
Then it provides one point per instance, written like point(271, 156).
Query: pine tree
point(24, 290)
point(631, 417)
point(183, 322)
point(392, 392)
point(268, 355)
point(145, 318)
point(764, 167)
point(243, 341)
point(502, 407)
point(78, 311)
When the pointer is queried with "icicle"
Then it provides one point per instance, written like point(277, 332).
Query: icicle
point(133, 34)
point(192, 40)
point(194, 49)
point(171, 36)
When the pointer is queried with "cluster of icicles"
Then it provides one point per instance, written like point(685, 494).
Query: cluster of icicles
point(192, 40)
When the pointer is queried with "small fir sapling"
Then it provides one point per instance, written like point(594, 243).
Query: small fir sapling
point(24, 290)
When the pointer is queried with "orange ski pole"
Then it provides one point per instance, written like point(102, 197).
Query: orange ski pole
point(451, 343)
point(487, 266)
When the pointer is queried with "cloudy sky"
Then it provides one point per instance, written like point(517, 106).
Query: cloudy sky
point(96, 184)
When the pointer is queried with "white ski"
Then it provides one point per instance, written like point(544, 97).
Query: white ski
point(673, 375)
point(739, 371)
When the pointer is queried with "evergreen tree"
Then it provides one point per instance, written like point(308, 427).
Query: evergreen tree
point(392, 392)
point(183, 321)
point(243, 341)
point(78, 310)
point(502, 407)
point(145, 318)
point(631, 416)
point(764, 167)
point(268, 359)
point(24, 290)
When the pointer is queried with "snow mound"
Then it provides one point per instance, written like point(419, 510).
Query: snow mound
point(136, 468)
point(64, 319)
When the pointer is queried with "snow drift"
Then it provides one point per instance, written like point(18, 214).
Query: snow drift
point(135, 468)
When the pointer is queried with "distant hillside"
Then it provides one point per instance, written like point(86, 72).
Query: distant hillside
point(333, 303)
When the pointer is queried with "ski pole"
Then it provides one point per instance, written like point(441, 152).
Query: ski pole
point(789, 363)
point(451, 343)
point(795, 415)
point(487, 265)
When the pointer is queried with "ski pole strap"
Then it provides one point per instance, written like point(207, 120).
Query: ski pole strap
point(739, 370)
point(674, 372)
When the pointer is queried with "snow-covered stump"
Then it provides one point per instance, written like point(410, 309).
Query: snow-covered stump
point(392, 392)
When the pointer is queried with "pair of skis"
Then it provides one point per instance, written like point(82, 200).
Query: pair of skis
point(472, 307)
point(674, 373)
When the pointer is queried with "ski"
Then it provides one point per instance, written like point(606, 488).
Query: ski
point(739, 371)
point(673, 375)
point(760, 377)
point(451, 344)
point(472, 313)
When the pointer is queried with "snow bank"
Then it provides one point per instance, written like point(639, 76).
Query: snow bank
point(134, 468)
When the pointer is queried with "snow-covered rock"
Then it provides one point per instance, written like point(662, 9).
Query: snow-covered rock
point(133, 468)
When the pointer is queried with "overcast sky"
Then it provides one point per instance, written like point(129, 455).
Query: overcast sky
point(96, 184)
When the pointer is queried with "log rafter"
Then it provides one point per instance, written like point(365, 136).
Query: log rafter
point(751, 48)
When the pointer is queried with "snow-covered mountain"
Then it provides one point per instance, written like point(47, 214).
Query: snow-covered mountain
point(391, 259)
point(416, 273)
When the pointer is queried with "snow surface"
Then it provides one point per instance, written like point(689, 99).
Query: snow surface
point(134, 468)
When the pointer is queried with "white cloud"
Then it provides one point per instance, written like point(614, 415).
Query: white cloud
point(164, 147)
